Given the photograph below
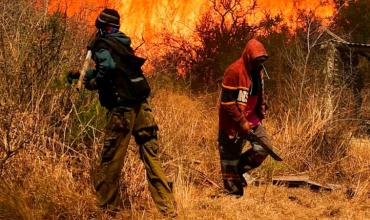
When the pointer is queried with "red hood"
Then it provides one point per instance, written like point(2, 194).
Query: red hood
point(237, 78)
point(252, 50)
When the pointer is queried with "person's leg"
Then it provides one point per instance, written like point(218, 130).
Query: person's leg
point(106, 176)
point(230, 150)
point(145, 133)
point(254, 157)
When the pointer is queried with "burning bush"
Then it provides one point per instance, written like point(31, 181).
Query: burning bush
point(218, 40)
point(316, 120)
point(51, 135)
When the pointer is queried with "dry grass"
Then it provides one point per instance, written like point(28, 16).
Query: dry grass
point(275, 203)
point(40, 182)
point(50, 139)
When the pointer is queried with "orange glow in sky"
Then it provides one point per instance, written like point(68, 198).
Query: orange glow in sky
point(150, 17)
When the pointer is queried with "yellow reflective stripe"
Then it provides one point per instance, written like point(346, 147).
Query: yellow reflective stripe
point(228, 103)
point(234, 88)
point(229, 87)
point(233, 103)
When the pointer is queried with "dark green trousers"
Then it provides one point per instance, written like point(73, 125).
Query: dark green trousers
point(124, 122)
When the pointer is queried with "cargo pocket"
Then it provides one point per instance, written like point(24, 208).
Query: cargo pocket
point(119, 119)
point(145, 118)
point(118, 126)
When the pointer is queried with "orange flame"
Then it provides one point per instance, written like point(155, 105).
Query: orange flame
point(151, 17)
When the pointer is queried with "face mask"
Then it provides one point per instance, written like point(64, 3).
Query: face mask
point(257, 63)
point(102, 32)
point(257, 67)
point(111, 30)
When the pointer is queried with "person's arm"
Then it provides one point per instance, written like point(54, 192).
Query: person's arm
point(89, 80)
point(232, 97)
point(104, 63)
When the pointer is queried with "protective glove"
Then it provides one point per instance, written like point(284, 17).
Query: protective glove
point(262, 111)
point(89, 80)
point(245, 127)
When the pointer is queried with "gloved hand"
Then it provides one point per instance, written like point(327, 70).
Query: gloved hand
point(262, 111)
point(89, 80)
point(245, 127)
point(89, 84)
point(72, 75)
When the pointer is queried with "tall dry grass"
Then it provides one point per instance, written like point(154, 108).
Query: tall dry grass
point(51, 139)
point(40, 182)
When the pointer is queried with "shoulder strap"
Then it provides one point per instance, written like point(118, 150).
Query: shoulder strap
point(117, 46)
point(124, 51)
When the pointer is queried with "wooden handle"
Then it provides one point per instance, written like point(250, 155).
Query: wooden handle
point(84, 69)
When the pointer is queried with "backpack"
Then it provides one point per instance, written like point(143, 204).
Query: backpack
point(129, 81)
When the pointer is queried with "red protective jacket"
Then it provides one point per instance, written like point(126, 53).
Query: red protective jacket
point(236, 88)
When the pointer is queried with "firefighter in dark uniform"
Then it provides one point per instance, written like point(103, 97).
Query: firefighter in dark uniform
point(123, 90)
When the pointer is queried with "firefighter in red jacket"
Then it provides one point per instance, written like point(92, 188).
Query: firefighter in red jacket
point(241, 111)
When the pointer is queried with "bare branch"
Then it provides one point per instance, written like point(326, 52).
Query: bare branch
point(142, 42)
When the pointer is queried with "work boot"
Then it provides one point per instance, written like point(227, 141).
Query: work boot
point(248, 178)
point(244, 182)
